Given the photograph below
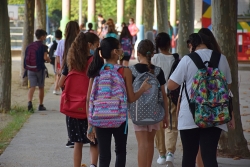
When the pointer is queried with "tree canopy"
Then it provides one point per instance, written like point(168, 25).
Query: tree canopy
point(106, 7)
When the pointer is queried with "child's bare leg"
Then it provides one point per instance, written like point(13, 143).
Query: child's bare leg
point(94, 154)
point(77, 154)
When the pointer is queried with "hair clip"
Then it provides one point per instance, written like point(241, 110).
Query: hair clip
point(148, 52)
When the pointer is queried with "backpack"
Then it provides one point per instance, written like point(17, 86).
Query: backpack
point(209, 100)
point(126, 46)
point(147, 110)
point(51, 52)
point(34, 56)
point(108, 99)
point(173, 95)
point(74, 95)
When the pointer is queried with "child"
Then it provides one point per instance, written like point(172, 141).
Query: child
point(35, 57)
point(145, 134)
point(165, 60)
point(216, 47)
point(191, 135)
point(78, 59)
point(126, 43)
point(55, 64)
point(111, 51)
point(71, 31)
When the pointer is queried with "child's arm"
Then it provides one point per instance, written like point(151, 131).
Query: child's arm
point(91, 80)
point(128, 81)
point(91, 130)
point(46, 57)
point(165, 102)
point(61, 81)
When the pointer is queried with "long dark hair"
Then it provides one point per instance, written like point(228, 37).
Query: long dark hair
point(77, 56)
point(195, 39)
point(162, 41)
point(207, 32)
point(146, 49)
point(71, 31)
point(125, 33)
point(106, 47)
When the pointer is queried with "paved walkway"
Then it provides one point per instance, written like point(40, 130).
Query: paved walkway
point(41, 141)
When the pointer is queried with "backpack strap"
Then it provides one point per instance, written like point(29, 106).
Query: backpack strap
point(157, 71)
point(135, 73)
point(214, 60)
point(176, 56)
point(197, 60)
point(117, 67)
point(174, 65)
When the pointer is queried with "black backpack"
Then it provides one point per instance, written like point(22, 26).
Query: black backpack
point(51, 52)
point(173, 95)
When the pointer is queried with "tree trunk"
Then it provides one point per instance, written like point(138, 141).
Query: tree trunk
point(28, 34)
point(5, 59)
point(148, 14)
point(162, 16)
point(224, 21)
point(40, 14)
point(186, 26)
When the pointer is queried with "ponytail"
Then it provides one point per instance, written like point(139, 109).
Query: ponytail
point(146, 49)
point(96, 64)
point(148, 56)
point(107, 45)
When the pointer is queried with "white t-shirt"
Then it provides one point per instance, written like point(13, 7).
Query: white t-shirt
point(185, 71)
point(60, 49)
point(165, 62)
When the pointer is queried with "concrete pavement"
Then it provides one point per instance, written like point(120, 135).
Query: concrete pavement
point(41, 141)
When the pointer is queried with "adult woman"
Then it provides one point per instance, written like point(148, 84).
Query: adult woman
point(192, 137)
point(133, 31)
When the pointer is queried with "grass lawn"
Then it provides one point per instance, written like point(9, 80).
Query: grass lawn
point(19, 116)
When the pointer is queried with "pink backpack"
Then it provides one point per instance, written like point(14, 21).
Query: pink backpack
point(108, 99)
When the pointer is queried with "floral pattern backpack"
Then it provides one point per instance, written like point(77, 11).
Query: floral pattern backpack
point(108, 100)
point(209, 101)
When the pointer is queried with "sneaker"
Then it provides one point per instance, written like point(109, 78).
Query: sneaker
point(92, 165)
point(170, 157)
point(161, 160)
point(41, 108)
point(56, 92)
point(70, 144)
point(30, 107)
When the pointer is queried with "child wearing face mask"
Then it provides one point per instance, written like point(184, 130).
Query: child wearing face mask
point(79, 57)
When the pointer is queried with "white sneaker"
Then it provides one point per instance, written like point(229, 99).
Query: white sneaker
point(56, 92)
point(161, 160)
point(170, 157)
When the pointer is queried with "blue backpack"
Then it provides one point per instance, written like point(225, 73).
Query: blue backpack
point(126, 46)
